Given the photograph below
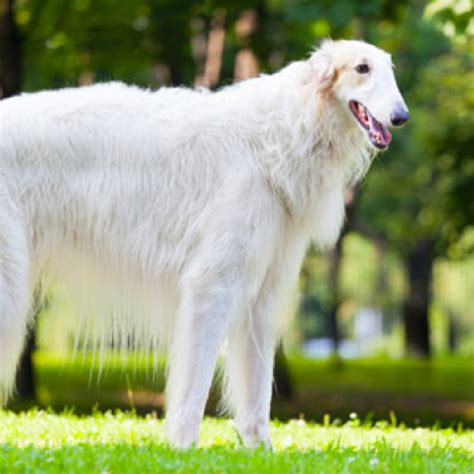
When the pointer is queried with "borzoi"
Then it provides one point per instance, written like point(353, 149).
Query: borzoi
point(178, 219)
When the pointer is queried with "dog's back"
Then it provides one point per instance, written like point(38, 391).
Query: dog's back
point(93, 165)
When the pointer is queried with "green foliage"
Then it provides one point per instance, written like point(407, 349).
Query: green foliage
point(420, 188)
point(446, 133)
point(454, 17)
point(42, 442)
point(64, 40)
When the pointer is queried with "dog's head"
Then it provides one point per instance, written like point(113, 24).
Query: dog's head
point(360, 76)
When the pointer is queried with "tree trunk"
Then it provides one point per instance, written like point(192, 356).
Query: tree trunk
point(169, 23)
point(25, 377)
point(10, 51)
point(419, 268)
point(283, 388)
point(453, 334)
point(335, 261)
point(25, 383)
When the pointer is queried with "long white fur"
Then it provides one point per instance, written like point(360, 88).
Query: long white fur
point(177, 218)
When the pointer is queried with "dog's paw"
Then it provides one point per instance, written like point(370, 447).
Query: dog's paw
point(182, 437)
point(183, 441)
point(255, 435)
point(182, 430)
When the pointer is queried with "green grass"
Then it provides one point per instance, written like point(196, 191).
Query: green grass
point(41, 442)
point(451, 378)
point(419, 392)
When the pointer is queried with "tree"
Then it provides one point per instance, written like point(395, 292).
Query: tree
point(419, 198)
point(10, 52)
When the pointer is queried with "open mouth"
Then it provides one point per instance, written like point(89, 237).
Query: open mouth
point(378, 134)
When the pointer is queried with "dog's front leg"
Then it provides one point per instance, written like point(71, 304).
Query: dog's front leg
point(249, 371)
point(207, 304)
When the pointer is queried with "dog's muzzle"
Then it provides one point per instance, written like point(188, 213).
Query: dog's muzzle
point(399, 116)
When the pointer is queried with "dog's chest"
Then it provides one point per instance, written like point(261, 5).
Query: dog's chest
point(325, 215)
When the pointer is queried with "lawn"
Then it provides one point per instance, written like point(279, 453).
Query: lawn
point(39, 441)
point(420, 393)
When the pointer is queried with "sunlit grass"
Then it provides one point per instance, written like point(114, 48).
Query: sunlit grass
point(44, 442)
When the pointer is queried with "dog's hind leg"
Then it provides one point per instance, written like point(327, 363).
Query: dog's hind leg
point(206, 306)
point(14, 294)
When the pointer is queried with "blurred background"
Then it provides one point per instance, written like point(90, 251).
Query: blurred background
point(384, 323)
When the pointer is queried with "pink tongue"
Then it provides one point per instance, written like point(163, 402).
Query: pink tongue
point(381, 131)
point(387, 136)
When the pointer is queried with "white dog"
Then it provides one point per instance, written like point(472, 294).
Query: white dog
point(179, 218)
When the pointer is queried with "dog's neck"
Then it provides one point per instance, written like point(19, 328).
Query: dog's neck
point(312, 144)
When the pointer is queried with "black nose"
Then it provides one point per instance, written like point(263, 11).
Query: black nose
point(400, 116)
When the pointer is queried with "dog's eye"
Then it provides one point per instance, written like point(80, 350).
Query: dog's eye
point(362, 69)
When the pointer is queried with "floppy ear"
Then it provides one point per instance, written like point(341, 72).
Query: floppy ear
point(322, 65)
